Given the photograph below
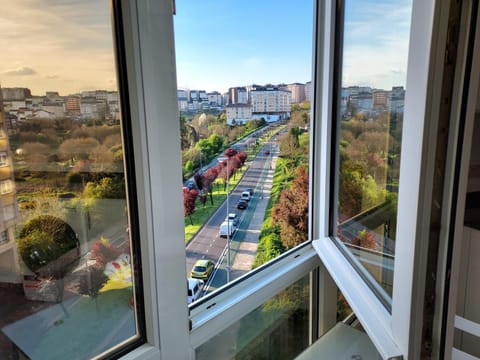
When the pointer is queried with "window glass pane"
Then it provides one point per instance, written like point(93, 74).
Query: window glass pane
point(369, 115)
point(244, 92)
point(466, 342)
point(278, 329)
point(345, 340)
point(66, 272)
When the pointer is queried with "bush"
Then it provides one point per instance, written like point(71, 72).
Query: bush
point(44, 239)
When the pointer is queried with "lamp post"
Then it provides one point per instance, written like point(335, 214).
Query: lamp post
point(228, 227)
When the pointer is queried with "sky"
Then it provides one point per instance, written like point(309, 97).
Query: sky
point(221, 44)
point(57, 45)
point(67, 46)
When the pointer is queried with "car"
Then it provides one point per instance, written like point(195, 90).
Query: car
point(245, 196)
point(202, 269)
point(194, 289)
point(233, 218)
point(242, 204)
point(227, 228)
point(250, 190)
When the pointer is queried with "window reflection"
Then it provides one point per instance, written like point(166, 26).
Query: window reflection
point(66, 272)
point(277, 329)
point(369, 117)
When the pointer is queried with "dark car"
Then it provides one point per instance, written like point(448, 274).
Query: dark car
point(250, 190)
point(242, 204)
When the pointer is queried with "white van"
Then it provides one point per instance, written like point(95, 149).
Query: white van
point(225, 227)
point(194, 289)
point(245, 196)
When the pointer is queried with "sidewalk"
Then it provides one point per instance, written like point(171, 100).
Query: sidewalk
point(248, 248)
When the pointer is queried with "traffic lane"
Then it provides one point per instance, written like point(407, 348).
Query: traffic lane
point(206, 243)
point(219, 277)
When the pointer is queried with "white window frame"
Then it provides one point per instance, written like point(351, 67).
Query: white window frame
point(399, 333)
point(150, 68)
point(152, 89)
point(152, 86)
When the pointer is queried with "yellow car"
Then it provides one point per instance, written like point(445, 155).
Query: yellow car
point(202, 269)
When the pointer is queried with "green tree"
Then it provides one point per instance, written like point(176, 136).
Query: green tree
point(45, 239)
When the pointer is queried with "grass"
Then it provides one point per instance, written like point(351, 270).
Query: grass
point(203, 213)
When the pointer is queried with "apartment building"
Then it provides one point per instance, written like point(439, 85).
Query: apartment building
point(238, 95)
point(238, 114)
point(270, 100)
point(298, 92)
point(9, 262)
point(72, 104)
point(429, 310)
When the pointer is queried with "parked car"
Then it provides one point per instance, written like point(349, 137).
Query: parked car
point(227, 228)
point(194, 289)
point(202, 269)
point(242, 204)
point(232, 217)
point(246, 196)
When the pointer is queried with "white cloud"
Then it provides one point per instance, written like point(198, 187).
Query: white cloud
point(21, 71)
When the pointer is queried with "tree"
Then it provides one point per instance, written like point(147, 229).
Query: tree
point(77, 149)
point(189, 198)
point(199, 181)
point(209, 177)
point(242, 157)
point(45, 239)
point(230, 152)
point(365, 239)
point(106, 188)
point(291, 212)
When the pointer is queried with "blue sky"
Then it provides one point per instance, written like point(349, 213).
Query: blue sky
point(221, 44)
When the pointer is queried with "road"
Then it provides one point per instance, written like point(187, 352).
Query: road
point(207, 244)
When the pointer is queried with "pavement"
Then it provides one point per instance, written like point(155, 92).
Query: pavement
point(245, 255)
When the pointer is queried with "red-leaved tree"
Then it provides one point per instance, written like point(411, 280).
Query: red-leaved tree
point(208, 178)
point(291, 212)
point(189, 198)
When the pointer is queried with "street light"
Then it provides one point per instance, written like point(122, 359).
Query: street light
point(228, 227)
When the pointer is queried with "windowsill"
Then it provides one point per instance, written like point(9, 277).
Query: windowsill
point(373, 316)
point(341, 342)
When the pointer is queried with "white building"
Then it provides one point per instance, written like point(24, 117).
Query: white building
point(215, 99)
point(270, 100)
point(238, 113)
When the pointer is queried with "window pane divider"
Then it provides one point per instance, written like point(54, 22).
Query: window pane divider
point(215, 313)
point(373, 316)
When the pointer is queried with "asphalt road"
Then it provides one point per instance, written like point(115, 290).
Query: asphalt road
point(207, 244)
